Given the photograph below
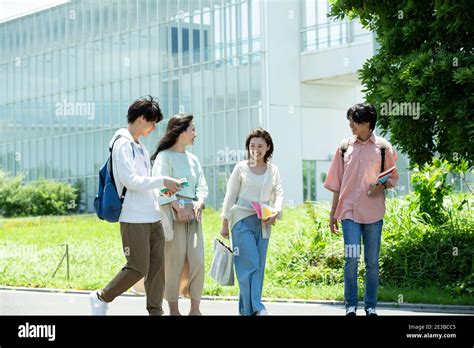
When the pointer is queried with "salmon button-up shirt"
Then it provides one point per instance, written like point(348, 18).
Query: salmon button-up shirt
point(352, 177)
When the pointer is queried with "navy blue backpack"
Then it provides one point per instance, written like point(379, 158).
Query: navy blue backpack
point(107, 202)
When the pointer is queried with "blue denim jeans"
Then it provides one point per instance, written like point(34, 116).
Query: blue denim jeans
point(371, 235)
point(250, 253)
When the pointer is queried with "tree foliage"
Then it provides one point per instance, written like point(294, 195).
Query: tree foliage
point(425, 56)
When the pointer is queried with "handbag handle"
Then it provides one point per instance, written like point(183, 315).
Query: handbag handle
point(223, 244)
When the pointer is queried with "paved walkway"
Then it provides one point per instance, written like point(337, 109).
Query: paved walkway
point(27, 302)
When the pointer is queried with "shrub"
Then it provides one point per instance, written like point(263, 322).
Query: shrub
point(36, 198)
point(416, 253)
point(49, 197)
point(431, 184)
point(11, 203)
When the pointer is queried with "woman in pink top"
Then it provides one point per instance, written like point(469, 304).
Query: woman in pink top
point(359, 203)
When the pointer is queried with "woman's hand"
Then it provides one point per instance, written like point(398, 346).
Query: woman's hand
point(271, 220)
point(225, 229)
point(167, 194)
point(198, 206)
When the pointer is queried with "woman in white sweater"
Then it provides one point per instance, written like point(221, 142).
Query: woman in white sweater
point(252, 181)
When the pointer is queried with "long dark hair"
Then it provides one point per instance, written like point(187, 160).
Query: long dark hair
point(176, 125)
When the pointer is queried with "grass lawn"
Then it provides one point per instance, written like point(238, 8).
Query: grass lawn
point(30, 250)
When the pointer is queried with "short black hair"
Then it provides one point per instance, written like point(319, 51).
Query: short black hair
point(361, 113)
point(146, 107)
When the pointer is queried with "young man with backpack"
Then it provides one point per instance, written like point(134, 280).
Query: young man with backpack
point(140, 225)
point(359, 202)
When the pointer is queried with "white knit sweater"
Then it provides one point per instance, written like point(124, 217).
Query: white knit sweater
point(244, 185)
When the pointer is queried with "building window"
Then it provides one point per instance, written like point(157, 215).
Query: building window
point(309, 180)
point(319, 32)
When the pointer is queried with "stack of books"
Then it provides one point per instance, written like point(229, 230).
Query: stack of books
point(263, 210)
point(383, 177)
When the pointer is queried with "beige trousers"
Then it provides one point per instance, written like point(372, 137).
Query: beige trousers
point(184, 260)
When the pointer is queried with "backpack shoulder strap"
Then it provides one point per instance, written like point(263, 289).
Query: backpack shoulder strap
point(344, 146)
point(113, 143)
point(124, 190)
point(383, 145)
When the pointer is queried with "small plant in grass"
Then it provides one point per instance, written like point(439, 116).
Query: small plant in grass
point(431, 186)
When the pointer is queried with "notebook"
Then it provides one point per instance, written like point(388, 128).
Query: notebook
point(263, 210)
point(383, 177)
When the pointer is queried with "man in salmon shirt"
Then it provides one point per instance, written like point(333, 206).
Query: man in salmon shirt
point(359, 203)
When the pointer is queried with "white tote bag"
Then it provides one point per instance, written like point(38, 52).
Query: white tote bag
point(222, 268)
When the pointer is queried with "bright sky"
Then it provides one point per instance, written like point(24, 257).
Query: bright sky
point(14, 8)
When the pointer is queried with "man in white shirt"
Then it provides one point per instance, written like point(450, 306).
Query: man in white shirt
point(140, 221)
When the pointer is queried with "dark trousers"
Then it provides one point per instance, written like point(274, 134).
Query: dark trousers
point(143, 245)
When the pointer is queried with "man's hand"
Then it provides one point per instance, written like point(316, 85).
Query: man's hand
point(172, 185)
point(333, 225)
point(375, 189)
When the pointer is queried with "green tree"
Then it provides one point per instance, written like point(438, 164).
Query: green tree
point(425, 56)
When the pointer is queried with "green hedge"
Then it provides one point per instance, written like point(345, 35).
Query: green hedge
point(36, 198)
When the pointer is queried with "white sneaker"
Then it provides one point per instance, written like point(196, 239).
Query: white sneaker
point(371, 312)
point(262, 312)
point(351, 311)
point(98, 307)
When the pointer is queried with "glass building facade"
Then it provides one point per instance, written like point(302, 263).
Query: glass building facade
point(69, 73)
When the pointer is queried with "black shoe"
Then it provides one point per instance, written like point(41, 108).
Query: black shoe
point(351, 311)
point(370, 312)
